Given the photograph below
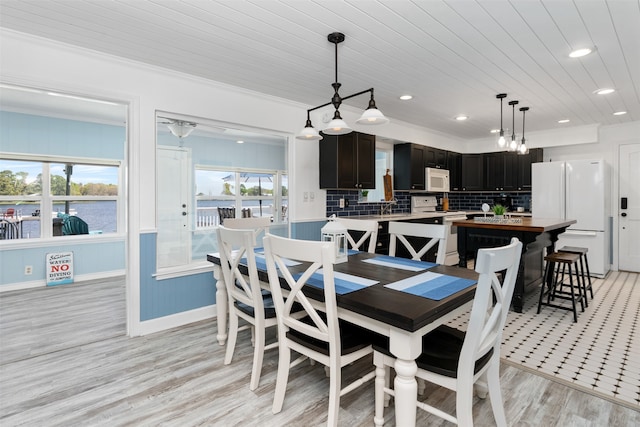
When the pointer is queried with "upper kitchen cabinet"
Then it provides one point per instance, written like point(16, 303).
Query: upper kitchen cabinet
point(435, 158)
point(347, 161)
point(501, 171)
point(472, 172)
point(408, 166)
point(454, 165)
point(524, 168)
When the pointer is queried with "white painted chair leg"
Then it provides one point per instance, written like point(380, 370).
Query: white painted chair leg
point(284, 361)
point(481, 386)
point(258, 354)
point(422, 384)
point(231, 341)
point(387, 384)
point(334, 396)
point(495, 394)
point(464, 403)
point(327, 371)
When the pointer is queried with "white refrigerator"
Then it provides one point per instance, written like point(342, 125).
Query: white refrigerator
point(576, 190)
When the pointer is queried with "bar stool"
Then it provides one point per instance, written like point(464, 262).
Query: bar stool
point(583, 257)
point(562, 261)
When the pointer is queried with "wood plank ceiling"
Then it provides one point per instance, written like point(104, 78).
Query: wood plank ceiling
point(452, 56)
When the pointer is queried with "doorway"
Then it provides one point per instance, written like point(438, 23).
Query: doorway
point(629, 208)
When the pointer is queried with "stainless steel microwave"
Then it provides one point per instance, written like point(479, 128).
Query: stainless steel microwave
point(437, 180)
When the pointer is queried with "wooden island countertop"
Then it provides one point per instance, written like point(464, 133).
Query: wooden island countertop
point(530, 224)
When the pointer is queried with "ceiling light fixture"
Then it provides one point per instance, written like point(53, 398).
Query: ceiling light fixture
point(578, 53)
point(501, 141)
point(406, 97)
point(337, 126)
point(564, 121)
point(604, 91)
point(239, 141)
point(619, 113)
point(461, 118)
point(522, 148)
point(181, 129)
point(513, 145)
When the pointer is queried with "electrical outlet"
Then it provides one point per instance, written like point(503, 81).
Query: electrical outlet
point(28, 270)
point(342, 203)
point(305, 197)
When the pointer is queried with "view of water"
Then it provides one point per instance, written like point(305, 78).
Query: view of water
point(99, 216)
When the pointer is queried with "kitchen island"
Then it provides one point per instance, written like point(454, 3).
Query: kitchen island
point(536, 234)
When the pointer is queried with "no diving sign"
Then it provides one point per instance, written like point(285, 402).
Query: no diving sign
point(59, 268)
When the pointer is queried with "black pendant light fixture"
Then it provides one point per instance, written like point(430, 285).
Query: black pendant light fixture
point(513, 145)
point(522, 148)
point(501, 141)
point(337, 126)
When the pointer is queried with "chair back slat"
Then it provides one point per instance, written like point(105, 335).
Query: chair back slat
point(437, 234)
point(368, 227)
point(490, 304)
point(313, 256)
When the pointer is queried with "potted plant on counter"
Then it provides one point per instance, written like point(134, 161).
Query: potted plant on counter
point(498, 211)
point(363, 195)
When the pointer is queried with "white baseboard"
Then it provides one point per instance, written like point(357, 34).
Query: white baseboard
point(42, 282)
point(179, 319)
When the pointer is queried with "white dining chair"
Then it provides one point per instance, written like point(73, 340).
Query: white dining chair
point(247, 301)
point(369, 227)
point(437, 235)
point(256, 223)
point(319, 335)
point(459, 360)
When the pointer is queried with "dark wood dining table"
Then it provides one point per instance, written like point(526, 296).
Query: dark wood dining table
point(403, 317)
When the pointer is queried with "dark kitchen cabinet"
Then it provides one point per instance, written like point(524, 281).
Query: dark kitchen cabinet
point(524, 168)
point(454, 164)
point(501, 171)
point(472, 176)
point(435, 158)
point(347, 161)
point(408, 166)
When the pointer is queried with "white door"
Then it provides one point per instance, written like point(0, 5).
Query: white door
point(629, 217)
point(173, 200)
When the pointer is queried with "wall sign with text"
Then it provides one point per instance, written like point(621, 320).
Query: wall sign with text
point(59, 268)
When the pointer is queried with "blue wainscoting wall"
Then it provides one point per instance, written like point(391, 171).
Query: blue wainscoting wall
point(160, 298)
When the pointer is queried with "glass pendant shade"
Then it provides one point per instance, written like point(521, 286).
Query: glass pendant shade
point(513, 145)
point(501, 141)
point(337, 126)
point(372, 116)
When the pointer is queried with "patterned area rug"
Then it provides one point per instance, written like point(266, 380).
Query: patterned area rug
point(599, 355)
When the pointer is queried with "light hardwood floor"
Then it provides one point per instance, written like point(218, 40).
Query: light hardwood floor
point(66, 362)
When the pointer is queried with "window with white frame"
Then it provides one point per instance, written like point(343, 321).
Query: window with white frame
point(384, 160)
point(240, 193)
point(76, 196)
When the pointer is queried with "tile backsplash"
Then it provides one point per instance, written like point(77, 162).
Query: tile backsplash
point(459, 201)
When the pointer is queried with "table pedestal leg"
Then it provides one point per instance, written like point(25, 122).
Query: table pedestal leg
point(221, 304)
point(406, 392)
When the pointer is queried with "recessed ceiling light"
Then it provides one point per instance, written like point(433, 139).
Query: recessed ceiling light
point(406, 97)
point(239, 141)
point(495, 130)
point(619, 113)
point(604, 91)
point(461, 118)
point(563, 121)
point(580, 52)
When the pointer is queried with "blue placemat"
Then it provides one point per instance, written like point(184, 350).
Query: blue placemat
point(402, 263)
point(432, 285)
point(344, 283)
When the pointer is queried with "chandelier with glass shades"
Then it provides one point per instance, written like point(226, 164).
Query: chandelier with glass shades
point(337, 126)
point(519, 147)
